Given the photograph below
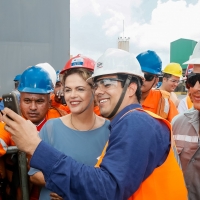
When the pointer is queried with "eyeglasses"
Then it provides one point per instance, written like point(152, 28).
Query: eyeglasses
point(174, 81)
point(106, 83)
point(192, 79)
point(149, 77)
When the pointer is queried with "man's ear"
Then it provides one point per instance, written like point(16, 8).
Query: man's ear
point(132, 89)
point(164, 79)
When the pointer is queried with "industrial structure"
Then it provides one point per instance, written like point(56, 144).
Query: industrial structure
point(123, 43)
point(180, 51)
point(32, 32)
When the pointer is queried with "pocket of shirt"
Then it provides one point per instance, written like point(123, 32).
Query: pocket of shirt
point(179, 149)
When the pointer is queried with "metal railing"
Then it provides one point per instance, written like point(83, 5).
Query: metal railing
point(23, 174)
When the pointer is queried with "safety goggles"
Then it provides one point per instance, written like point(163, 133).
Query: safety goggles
point(149, 77)
point(106, 83)
point(192, 79)
point(174, 81)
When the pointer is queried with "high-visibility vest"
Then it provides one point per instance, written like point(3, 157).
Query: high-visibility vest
point(189, 102)
point(163, 105)
point(166, 182)
point(158, 102)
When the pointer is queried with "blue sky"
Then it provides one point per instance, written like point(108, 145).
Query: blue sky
point(150, 24)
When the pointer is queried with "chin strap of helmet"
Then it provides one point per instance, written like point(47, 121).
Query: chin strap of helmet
point(128, 80)
point(151, 85)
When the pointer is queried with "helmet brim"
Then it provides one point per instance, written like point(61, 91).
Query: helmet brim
point(192, 61)
point(34, 90)
point(91, 79)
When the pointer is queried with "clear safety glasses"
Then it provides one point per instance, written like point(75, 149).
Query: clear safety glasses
point(174, 81)
point(192, 79)
point(106, 83)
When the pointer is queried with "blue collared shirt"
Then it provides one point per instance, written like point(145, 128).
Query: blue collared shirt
point(137, 145)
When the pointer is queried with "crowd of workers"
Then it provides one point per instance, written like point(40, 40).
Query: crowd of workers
point(105, 130)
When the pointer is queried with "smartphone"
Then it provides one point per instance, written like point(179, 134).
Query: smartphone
point(10, 101)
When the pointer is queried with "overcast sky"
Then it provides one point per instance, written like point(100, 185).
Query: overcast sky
point(153, 24)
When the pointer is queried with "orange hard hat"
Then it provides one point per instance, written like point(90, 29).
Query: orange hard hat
point(79, 61)
point(189, 69)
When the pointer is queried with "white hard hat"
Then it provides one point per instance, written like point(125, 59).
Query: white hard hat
point(115, 61)
point(195, 57)
point(50, 70)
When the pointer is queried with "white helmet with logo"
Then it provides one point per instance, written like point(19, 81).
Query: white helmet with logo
point(195, 57)
point(50, 70)
point(115, 61)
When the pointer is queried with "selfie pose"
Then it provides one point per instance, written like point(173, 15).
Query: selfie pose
point(82, 134)
point(139, 162)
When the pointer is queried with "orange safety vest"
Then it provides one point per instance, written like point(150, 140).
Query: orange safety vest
point(59, 106)
point(5, 140)
point(159, 103)
point(166, 181)
point(189, 102)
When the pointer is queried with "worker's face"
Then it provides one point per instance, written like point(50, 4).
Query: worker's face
point(150, 81)
point(194, 92)
point(58, 91)
point(108, 91)
point(171, 83)
point(34, 107)
point(78, 94)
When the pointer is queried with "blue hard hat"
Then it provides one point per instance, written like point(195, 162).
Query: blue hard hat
point(57, 76)
point(17, 77)
point(158, 84)
point(35, 80)
point(1, 105)
point(150, 62)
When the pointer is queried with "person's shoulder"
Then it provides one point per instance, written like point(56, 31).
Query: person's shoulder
point(102, 122)
point(137, 115)
point(53, 113)
point(183, 116)
point(142, 121)
point(173, 95)
point(53, 121)
point(154, 92)
point(106, 123)
point(157, 94)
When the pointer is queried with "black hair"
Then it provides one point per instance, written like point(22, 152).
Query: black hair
point(135, 79)
point(166, 75)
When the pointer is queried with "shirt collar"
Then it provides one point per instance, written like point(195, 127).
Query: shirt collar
point(122, 112)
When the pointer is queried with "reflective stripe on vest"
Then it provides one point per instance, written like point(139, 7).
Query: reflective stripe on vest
point(166, 181)
point(187, 138)
point(163, 105)
point(3, 144)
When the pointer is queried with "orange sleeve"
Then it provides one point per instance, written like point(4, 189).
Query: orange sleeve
point(97, 110)
point(65, 108)
point(5, 140)
point(52, 113)
point(189, 102)
point(172, 111)
point(59, 105)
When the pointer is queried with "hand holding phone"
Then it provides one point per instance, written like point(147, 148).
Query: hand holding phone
point(10, 101)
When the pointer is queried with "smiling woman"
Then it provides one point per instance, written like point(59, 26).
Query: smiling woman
point(82, 134)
